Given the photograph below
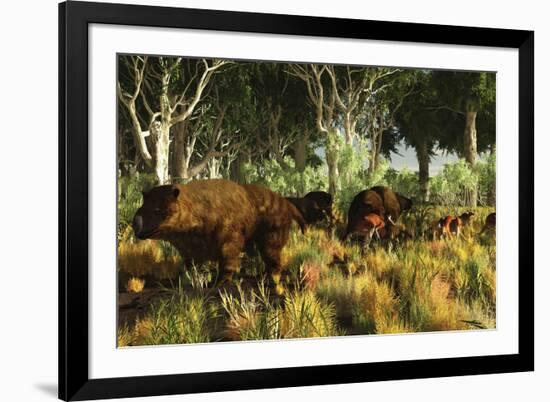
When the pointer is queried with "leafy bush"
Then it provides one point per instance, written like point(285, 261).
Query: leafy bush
point(486, 172)
point(130, 197)
point(403, 181)
point(288, 182)
point(450, 186)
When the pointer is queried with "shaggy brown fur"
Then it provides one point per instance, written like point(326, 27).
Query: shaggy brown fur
point(449, 226)
point(370, 225)
point(392, 232)
point(453, 225)
point(465, 218)
point(370, 222)
point(394, 203)
point(490, 223)
point(364, 203)
point(216, 220)
point(308, 208)
point(324, 202)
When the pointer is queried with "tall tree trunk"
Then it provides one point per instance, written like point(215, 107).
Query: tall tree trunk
point(376, 147)
point(300, 154)
point(214, 166)
point(491, 196)
point(331, 155)
point(179, 165)
point(300, 158)
point(161, 133)
point(348, 128)
point(236, 172)
point(470, 151)
point(423, 157)
point(374, 161)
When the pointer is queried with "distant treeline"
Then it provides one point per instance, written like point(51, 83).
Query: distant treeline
point(182, 119)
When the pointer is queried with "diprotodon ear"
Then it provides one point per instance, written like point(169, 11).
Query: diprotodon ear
point(175, 192)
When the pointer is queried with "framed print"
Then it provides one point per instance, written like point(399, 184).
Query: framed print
point(258, 201)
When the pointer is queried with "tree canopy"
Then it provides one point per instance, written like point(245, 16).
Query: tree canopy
point(187, 118)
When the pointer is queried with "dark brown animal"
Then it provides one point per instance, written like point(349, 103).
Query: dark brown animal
point(216, 220)
point(490, 223)
point(465, 218)
point(392, 232)
point(370, 225)
point(449, 226)
point(394, 203)
point(453, 225)
point(308, 208)
point(324, 202)
point(363, 204)
point(380, 200)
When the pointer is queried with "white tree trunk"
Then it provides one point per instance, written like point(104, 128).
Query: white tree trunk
point(331, 155)
point(470, 151)
point(423, 156)
point(214, 166)
point(161, 137)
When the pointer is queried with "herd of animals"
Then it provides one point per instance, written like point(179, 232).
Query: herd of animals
point(218, 220)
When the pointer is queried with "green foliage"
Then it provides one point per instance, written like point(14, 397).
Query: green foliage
point(289, 182)
point(403, 181)
point(451, 185)
point(353, 173)
point(130, 197)
point(486, 172)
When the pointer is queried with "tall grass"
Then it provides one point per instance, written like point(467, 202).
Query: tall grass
point(253, 315)
point(181, 318)
point(332, 288)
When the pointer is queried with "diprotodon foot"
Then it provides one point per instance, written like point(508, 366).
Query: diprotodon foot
point(278, 288)
point(224, 280)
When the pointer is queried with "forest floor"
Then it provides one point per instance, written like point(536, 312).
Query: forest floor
point(332, 288)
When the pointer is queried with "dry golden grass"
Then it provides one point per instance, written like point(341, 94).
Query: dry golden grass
point(125, 336)
point(147, 257)
point(135, 285)
point(310, 275)
point(332, 288)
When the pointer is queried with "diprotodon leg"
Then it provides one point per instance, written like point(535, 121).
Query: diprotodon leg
point(270, 250)
point(230, 261)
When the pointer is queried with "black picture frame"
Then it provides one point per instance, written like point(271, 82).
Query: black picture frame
point(74, 381)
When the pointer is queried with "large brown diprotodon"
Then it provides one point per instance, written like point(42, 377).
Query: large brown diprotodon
point(378, 200)
point(216, 220)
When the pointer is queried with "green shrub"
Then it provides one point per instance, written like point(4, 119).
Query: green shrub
point(130, 197)
point(450, 186)
point(288, 182)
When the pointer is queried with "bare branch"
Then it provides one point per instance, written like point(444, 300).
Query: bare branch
point(201, 85)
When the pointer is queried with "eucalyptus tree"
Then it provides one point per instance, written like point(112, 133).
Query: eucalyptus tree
point(378, 113)
point(161, 89)
point(470, 97)
point(275, 100)
point(419, 126)
point(207, 142)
